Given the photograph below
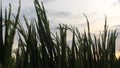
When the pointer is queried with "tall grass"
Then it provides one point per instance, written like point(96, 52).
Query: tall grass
point(39, 48)
point(7, 34)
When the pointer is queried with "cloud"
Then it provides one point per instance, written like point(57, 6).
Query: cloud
point(47, 1)
point(58, 14)
point(0, 9)
point(82, 24)
point(118, 1)
point(117, 26)
point(64, 14)
point(29, 12)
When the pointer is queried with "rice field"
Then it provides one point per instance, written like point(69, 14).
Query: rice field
point(38, 47)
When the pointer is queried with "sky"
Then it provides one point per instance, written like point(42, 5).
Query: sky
point(71, 12)
point(0, 7)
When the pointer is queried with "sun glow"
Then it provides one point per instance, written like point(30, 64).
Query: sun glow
point(117, 54)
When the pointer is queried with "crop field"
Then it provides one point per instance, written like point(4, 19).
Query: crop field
point(38, 47)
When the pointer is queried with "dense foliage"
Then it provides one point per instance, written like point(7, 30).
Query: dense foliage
point(39, 48)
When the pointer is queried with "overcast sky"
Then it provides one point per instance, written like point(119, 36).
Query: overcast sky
point(71, 12)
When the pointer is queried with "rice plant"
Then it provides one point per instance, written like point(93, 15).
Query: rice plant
point(38, 47)
point(7, 33)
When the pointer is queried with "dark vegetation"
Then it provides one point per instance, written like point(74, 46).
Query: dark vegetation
point(39, 48)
